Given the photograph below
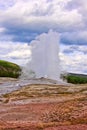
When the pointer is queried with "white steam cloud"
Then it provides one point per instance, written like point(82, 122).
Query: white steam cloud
point(44, 57)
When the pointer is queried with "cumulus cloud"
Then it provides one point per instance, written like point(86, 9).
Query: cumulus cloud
point(15, 52)
point(21, 21)
point(75, 38)
point(36, 17)
point(74, 58)
point(80, 6)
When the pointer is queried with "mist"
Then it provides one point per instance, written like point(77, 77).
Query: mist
point(44, 60)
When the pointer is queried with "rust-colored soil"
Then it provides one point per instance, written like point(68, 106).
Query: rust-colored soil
point(50, 111)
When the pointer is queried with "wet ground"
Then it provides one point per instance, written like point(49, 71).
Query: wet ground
point(10, 84)
point(43, 106)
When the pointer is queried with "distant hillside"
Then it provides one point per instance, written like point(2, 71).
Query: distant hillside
point(75, 78)
point(8, 69)
point(80, 75)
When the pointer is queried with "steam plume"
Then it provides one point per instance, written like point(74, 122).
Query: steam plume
point(44, 57)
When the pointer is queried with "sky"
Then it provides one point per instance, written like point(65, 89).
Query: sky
point(21, 21)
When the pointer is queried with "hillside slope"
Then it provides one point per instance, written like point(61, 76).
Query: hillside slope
point(75, 78)
point(8, 69)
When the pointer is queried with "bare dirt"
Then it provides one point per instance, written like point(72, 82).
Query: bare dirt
point(45, 107)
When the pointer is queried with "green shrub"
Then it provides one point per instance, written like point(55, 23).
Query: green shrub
point(76, 79)
point(8, 69)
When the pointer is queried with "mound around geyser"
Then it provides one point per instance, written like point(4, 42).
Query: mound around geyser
point(44, 57)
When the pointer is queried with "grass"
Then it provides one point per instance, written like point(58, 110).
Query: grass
point(8, 69)
point(75, 79)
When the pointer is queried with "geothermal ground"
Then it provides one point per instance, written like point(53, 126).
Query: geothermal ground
point(44, 107)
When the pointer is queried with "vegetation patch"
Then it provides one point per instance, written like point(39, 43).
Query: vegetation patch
point(75, 79)
point(8, 69)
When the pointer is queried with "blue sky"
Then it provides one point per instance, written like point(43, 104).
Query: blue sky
point(21, 21)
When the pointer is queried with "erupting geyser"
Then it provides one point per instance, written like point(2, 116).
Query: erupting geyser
point(44, 57)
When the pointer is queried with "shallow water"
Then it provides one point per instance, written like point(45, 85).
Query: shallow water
point(8, 85)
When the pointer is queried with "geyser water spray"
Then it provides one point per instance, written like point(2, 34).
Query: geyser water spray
point(44, 60)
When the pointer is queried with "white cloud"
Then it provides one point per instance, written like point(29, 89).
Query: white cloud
point(2, 29)
point(15, 52)
point(75, 61)
point(40, 13)
point(21, 19)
